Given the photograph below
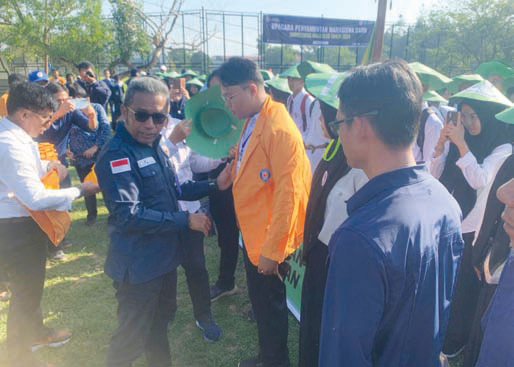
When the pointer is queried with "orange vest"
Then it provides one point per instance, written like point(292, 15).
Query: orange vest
point(272, 186)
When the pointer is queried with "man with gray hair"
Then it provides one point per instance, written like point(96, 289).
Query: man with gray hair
point(145, 225)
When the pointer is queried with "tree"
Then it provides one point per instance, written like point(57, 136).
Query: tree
point(63, 31)
point(139, 33)
point(458, 38)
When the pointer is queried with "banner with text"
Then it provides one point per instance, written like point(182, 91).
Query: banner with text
point(286, 29)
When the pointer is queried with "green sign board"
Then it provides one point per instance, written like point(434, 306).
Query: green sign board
point(293, 282)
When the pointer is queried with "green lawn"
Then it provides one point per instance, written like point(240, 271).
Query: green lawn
point(80, 297)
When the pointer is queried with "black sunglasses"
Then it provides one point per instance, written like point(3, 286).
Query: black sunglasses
point(334, 125)
point(142, 116)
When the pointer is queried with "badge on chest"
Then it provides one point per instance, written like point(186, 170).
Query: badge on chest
point(145, 162)
point(120, 165)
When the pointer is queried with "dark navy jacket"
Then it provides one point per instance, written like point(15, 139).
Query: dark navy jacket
point(140, 192)
point(392, 272)
point(98, 92)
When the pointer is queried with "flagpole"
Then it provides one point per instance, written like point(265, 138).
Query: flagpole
point(379, 31)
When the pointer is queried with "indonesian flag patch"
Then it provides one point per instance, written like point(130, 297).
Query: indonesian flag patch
point(120, 165)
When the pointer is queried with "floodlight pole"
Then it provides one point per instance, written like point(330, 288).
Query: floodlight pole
point(378, 44)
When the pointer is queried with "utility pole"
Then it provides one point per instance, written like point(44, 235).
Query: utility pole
point(378, 43)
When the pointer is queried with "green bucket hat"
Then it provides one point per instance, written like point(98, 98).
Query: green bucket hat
point(195, 81)
point(172, 75)
point(309, 67)
point(190, 73)
point(202, 78)
point(508, 83)
point(279, 84)
point(506, 116)
point(454, 85)
point(266, 75)
point(292, 72)
point(433, 96)
point(483, 91)
point(495, 67)
point(214, 128)
point(325, 86)
point(429, 76)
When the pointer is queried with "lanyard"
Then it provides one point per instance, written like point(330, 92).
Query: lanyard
point(329, 153)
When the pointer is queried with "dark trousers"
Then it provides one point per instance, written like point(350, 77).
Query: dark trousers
point(475, 339)
point(23, 256)
point(268, 297)
point(90, 200)
point(224, 215)
point(464, 302)
point(313, 292)
point(193, 262)
point(144, 313)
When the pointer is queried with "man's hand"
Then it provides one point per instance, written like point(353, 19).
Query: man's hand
point(267, 266)
point(200, 223)
point(181, 131)
point(506, 195)
point(62, 171)
point(89, 188)
point(63, 109)
point(89, 153)
point(232, 152)
point(224, 179)
point(89, 79)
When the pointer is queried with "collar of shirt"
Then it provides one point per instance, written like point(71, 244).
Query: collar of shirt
point(122, 130)
point(387, 181)
point(7, 124)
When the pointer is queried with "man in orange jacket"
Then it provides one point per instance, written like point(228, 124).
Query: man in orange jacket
point(272, 177)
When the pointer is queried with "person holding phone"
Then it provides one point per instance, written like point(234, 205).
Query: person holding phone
point(471, 148)
point(97, 90)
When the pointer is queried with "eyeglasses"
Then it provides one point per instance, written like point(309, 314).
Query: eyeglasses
point(143, 116)
point(334, 125)
point(229, 98)
point(45, 121)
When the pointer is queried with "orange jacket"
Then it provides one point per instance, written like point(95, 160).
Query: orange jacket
point(272, 186)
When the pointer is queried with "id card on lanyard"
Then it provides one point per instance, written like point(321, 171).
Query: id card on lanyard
point(245, 138)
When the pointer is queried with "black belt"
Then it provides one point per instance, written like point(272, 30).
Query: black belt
point(15, 220)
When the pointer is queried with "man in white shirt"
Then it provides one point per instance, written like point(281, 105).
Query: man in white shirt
point(305, 112)
point(186, 162)
point(23, 244)
point(429, 130)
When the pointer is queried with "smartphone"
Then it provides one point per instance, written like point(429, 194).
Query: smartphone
point(90, 74)
point(452, 117)
point(80, 103)
point(283, 270)
point(178, 84)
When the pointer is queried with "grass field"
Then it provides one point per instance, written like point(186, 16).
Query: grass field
point(78, 296)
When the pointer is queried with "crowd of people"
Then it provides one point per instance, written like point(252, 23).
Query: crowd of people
point(402, 201)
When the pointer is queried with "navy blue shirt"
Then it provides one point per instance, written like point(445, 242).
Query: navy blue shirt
point(140, 191)
point(98, 92)
point(58, 133)
point(392, 272)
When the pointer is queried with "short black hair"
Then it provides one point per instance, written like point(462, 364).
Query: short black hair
point(85, 65)
point(148, 85)
point(76, 90)
point(215, 73)
point(394, 91)
point(55, 88)
point(30, 96)
point(238, 70)
point(14, 78)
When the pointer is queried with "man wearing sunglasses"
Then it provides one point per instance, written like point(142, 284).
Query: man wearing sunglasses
point(145, 224)
point(393, 262)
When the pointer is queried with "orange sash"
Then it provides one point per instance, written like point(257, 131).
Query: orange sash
point(55, 223)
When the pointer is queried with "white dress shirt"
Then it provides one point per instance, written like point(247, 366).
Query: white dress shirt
point(433, 128)
point(294, 104)
point(335, 212)
point(479, 176)
point(185, 162)
point(21, 170)
point(315, 137)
